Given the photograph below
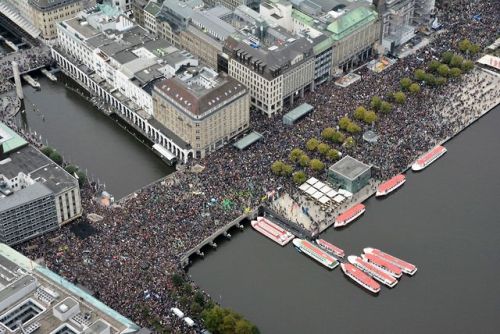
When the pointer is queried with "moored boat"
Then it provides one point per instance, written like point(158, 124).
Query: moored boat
point(373, 271)
point(383, 264)
point(406, 267)
point(348, 216)
point(390, 185)
point(330, 248)
point(316, 253)
point(33, 83)
point(360, 277)
point(273, 231)
point(428, 158)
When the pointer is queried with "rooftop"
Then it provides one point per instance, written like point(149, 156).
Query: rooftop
point(248, 140)
point(23, 196)
point(349, 167)
point(10, 140)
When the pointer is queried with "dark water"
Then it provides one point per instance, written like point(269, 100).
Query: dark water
point(446, 220)
point(90, 139)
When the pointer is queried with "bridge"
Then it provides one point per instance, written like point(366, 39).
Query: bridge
point(184, 260)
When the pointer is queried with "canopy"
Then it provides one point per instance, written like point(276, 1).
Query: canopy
point(247, 140)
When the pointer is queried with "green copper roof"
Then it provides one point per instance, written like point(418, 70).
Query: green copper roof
point(10, 140)
point(152, 8)
point(351, 21)
point(304, 18)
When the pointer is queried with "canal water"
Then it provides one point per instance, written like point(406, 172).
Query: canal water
point(89, 139)
point(445, 219)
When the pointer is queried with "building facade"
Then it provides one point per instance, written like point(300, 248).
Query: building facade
point(350, 174)
point(202, 107)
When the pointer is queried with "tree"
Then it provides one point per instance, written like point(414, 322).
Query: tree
point(295, 154)
point(420, 74)
point(56, 157)
point(455, 72)
point(196, 308)
point(71, 169)
point(443, 70)
point(446, 57)
point(359, 113)
point(440, 81)
point(464, 45)
point(299, 177)
point(474, 48)
point(317, 165)
point(338, 137)
point(327, 133)
point(376, 102)
point(370, 117)
point(456, 61)
point(287, 170)
point(177, 280)
point(467, 65)
point(199, 298)
point(82, 177)
point(405, 83)
point(312, 144)
point(414, 88)
point(304, 160)
point(245, 327)
point(385, 107)
point(277, 167)
point(399, 97)
point(47, 150)
point(219, 320)
point(353, 128)
point(349, 143)
point(213, 318)
point(344, 122)
point(332, 154)
point(430, 79)
point(323, 148)
point(434, 65)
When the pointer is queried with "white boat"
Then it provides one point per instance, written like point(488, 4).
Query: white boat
point(33, 83)
point(273, 231)
point(316, 253)
point(373, 271)
point(428, 158)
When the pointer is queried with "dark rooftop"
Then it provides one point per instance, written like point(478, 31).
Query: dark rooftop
point(349, 167)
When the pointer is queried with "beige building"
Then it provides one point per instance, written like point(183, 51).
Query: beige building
point(203, 108)
point(201, 45)
point(274, 75)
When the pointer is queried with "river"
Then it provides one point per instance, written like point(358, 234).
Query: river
point(91, 140)
point(445, 220)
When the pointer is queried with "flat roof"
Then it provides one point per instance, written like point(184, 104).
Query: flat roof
point(10, 140)
point(247, 140)
point(349, 167)
point(23, 196)
point(297, 113)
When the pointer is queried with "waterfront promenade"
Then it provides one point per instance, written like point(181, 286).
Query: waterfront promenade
point(161, 223)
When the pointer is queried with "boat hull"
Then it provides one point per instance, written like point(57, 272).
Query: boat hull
point(418, 166)
point(382, 193)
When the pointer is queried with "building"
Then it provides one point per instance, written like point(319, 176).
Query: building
point(398, 24)
point(118, 61)
point(138, 11)
point(36, 195)
point(233, 4)
point(203, 108)
point(350, 174)
point(45, 14)
point(34, 299)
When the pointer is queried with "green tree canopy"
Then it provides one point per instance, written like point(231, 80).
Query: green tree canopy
point(467, 65)
point(299, 177)
point(277, 167)
point(317, 165)
point(295, 154)
point(344, 122)
point(338, 137)
point(399, 97)
point(420, 74)
point(474, 48)
point(386, 107)
point(405, 83)
point(349, 142)
point(177, 280)
point(71, 169)
point(224, 321)
point(414, 88)
point(312, 144)
point(327, 133)
point(304, 160)
point(82, 177)
point(359, 113)
point(47, 150)
point(323, 148)
point(56, 157)
point(464, 45)
point(434, 65)
point(456, 61)
point(332, 154)
point(443, 70)
point(353, 128)
point(455, 72)
point(430, 79)
point(370, 117)
point(287, 170)
point(446, 57)
point(440, 81)
point(376, 102)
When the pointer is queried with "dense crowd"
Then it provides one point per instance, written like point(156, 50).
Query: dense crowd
point(26, 58)
point(136, 247)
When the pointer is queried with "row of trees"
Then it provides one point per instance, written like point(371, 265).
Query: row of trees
point(468, 47)
point(377, 104)
point(451, 65)
point(408, 85)
point(367, 116)
point(71, 169)
point(220, 320)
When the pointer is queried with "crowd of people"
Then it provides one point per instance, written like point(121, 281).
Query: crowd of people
point(137, 245)
point(26, 58)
